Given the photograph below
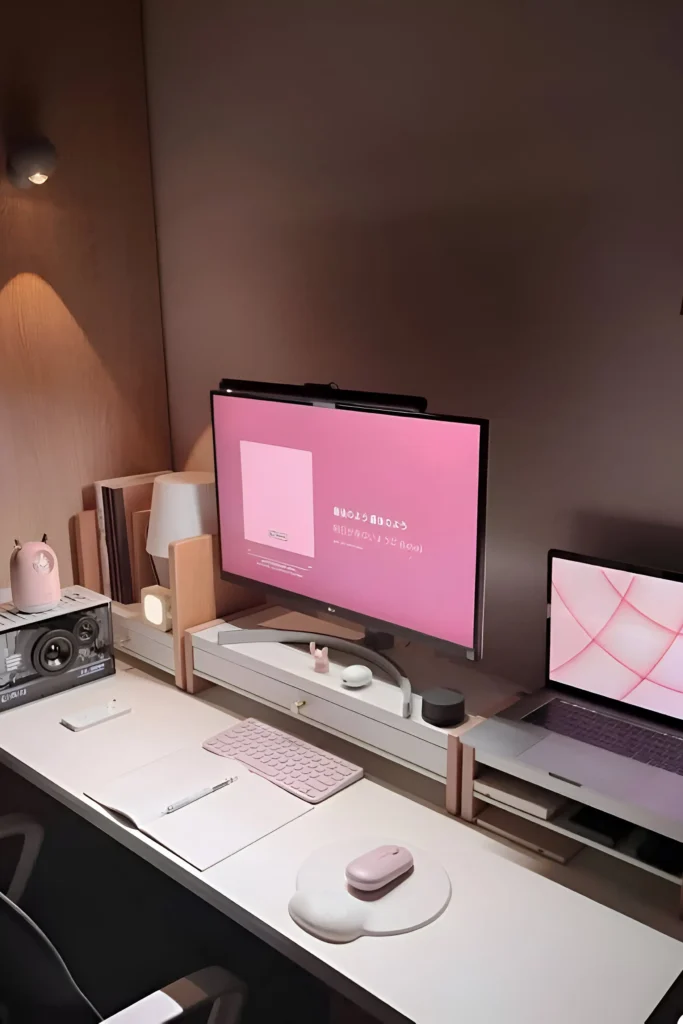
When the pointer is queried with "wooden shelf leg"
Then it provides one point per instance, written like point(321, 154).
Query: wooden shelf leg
point(469, 805)
point(453, 774)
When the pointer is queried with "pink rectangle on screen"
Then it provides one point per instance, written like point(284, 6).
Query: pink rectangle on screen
point(277, 496)
point(618, 634)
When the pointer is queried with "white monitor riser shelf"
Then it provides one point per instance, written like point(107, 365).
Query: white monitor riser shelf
point(282, 677)
point(231, 636)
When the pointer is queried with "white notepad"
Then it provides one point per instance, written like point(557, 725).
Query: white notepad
point(209, 829)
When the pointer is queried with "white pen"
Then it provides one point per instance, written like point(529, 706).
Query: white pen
point(198, 796)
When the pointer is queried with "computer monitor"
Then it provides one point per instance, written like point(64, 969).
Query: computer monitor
point(377, 516)
point(616, 631)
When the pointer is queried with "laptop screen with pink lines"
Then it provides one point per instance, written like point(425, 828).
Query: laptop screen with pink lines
point(617, 633)
point(377, 515)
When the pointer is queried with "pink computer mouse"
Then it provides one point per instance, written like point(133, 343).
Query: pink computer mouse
point(378, 867)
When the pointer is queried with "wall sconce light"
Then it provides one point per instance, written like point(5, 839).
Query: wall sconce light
point(31, 163)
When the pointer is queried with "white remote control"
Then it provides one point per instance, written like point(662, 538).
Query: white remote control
point(93, 716)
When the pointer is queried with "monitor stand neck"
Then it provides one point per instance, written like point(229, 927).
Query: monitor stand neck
point(286, 618)
point(376, 640)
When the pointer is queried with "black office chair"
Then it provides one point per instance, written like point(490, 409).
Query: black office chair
point(36, 986)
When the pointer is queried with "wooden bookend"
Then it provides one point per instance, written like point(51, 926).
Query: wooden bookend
point(87, 551)
point(192, 589)
point(199, 595)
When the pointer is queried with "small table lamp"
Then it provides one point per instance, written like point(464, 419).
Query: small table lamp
point(183, 505)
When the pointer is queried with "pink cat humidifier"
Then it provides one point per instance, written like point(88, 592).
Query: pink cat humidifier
point(34, 576)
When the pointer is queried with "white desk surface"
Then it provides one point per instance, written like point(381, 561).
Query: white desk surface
point(512, 946)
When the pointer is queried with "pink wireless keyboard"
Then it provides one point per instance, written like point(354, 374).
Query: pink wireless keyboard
point(298, 767)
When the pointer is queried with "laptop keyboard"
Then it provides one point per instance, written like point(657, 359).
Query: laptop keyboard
point(661, 749)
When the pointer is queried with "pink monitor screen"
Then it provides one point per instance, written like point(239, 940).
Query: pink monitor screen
point(618, 634)
point(373, 513)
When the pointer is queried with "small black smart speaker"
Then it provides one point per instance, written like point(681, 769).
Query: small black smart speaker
point(443, 707)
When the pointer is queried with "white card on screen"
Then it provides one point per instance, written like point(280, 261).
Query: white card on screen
point(355, 676)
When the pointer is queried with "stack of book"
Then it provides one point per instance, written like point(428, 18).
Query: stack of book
point(123, 505)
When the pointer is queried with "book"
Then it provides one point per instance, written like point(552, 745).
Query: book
point(116, 501)
point(143, 570)
point(206, 830)
point(538, 838)
point(114, 577)
point(513, 792)
point(122, 503)
point(102, 540)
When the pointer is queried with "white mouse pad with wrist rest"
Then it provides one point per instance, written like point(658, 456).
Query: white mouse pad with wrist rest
point(325, 905)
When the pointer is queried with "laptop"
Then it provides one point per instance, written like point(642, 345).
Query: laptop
point(611, 715)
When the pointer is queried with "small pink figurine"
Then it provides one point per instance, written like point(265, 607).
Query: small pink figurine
point(321, 663)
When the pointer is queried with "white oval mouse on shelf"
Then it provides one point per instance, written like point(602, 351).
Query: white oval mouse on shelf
point(356, 676)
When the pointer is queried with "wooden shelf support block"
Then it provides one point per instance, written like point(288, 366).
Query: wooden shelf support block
point(453, 774)
point(199, 595)
point(470, 806)
point(192, 589)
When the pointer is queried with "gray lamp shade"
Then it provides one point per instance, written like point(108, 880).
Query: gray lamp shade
point(31, 163)
point(183, 505)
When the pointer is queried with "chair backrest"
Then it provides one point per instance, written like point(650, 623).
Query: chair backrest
point(35, 983)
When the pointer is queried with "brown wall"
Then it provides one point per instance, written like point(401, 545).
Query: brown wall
point(82, 388)
point(482, 202)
